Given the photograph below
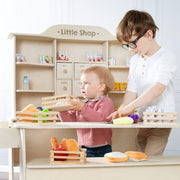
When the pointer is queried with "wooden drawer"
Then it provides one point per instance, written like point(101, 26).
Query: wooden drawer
point(64, 70)
point(9, 137)
point(79, 68)
point(76, 88)
point(63, 87)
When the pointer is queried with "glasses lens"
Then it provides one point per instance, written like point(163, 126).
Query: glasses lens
point(125, 46)
point(132, 45)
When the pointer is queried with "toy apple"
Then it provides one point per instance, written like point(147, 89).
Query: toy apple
point(60, 147)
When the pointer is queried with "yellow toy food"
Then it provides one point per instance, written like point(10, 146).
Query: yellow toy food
point(29, 108)
point(136, 156)
point(116, 157)
point(123, 121)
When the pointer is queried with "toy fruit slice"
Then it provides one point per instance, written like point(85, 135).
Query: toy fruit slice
point(123, 121)
point(116, 157)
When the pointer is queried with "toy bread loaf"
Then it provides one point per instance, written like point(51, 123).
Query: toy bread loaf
point(71, 145)
point(123, 121)
point(116, 157)
point(136, 156)
point(54, 142)
point(29, 108)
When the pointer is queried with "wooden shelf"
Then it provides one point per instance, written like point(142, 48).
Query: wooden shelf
point(34, 64)
point(101, 162)
point(34, 91)
point(74, 125)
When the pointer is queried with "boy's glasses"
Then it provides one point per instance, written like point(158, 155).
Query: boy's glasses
point(132, 44)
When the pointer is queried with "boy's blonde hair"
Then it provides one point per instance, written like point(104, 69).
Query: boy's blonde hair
point(104, 75)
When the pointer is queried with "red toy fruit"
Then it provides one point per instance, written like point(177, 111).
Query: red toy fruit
point(60, 147)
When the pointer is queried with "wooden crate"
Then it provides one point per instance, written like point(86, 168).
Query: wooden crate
point(79, 159)
point(57, 103)
point(36, 117)
point(159, 118)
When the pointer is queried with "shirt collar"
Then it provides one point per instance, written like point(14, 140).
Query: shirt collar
point(93, 100)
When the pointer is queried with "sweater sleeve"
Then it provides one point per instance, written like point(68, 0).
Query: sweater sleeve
point(97, 113)
point(67, 116)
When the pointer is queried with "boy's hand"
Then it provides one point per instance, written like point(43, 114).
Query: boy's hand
point(112, 116)
point(77, 105)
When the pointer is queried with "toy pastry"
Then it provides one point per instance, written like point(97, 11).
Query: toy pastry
point(116, 157)
point(123, 121)
point(136, 156)
point(29, 108)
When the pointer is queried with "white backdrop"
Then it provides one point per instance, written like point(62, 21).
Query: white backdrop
point(35, 16)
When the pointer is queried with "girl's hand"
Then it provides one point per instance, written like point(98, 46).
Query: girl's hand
point(77, 105)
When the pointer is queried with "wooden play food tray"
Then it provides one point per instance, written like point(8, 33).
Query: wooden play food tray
point(36, 117)
point(57, 103)
point(79, 159)
point(160, 118)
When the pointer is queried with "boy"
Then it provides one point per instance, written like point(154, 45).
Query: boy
point(150, 80)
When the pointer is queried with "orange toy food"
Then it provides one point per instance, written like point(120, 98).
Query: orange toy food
point(116, 157)
point(54, 142)
point(136, 156)
point(29, 108)
point(71, 145)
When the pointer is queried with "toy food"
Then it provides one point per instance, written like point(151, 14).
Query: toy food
point(29, 108)
point(71, 145)
point(54, 142)
point(135, 117)
point(136, 156)
point(116, 157)
point(60, 147)
point(123, 121)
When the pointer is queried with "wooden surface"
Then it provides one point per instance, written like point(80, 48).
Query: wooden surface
point(9, 137)
point(156, 168)
point(72, 125)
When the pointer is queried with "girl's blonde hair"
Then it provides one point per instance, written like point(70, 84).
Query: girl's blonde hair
point(104, 75)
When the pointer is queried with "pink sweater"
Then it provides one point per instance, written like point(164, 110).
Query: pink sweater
point(93, 111)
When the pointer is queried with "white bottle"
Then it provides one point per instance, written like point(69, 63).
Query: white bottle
point(25, 83)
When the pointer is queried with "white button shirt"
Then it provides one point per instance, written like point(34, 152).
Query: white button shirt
point(144, 72)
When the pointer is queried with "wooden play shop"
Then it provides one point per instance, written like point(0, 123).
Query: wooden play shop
point(47, 70)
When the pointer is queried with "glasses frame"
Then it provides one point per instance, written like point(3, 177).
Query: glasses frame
point(132, 44)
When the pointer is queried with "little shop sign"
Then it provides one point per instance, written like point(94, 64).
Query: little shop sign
point(78, 32)
point(81, 32)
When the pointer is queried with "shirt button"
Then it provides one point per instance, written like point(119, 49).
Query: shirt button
point(142, 73)
point(143, 65)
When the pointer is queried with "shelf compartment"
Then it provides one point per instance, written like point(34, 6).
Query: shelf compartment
point(34, 64)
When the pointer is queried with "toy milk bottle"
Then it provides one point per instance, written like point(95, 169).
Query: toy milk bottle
point(25, 83)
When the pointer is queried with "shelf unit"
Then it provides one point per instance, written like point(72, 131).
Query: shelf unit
point(61, 77)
